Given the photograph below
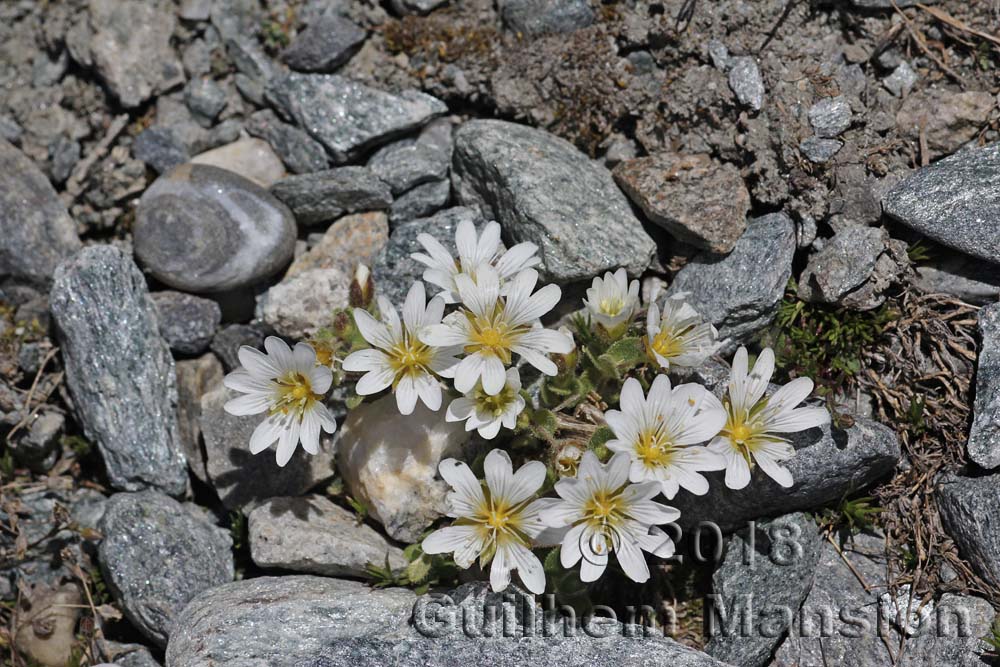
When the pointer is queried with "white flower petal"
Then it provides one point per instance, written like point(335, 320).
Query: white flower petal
point(248, 404)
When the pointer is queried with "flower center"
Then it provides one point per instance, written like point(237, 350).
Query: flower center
point(668, 343)
point(494, 405)
point(611, 305)
point(294, 394)
point(654, 450)
point(410, 357)
point(604, 507)
point(492, 337)
point(744, 430)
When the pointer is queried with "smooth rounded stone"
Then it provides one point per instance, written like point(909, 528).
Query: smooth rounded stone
point(250, 158)
point(36, 232)
point(830, 116)
point(423, 200)
point(389, 462)
point(187, 322)
point(159, 148)
point(943, 119)
point(746, 82)
point(243, 479)
point(819, 150)
point(394, 270)
point(541, 189)
point(418, 7)
point(311, 534)
point(828, 463)
point(37, 447)
point(968, 507)
point(301, 153)
point(325, 44)
point(539, 17)
point(346, 116)
point(955, 201)
point(971, 280)
point(229, 339)
point(352, 240)
point(283, 621)
point(772, 568)
point(130, 47)
point(195, 378)
point(700, 201)
point(409, 163)
point(326, 195)
point(158, 554)
point(199, 228)
point(119, 369)
point(901, 81)
point(739, 293)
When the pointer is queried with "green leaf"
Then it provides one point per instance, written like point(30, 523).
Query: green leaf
point(623, 355)
point(353, 401)
point(418, 571)
point(552, 563)
point(598, 442)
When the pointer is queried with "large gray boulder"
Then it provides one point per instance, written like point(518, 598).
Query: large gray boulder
point(968, 507)
point(984, 436)
point(119, 369)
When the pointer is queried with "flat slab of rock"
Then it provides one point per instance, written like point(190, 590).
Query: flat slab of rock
point(984, 437)
point(119, 369)
point(698, 200)
point(346, 116)
point(157, 555)
point(827, 464)
point(971, 280)
point(955, 201)
point(739, 293)
point(36, 232)
point(540, 188)
point(311, 534)
point(301, 153)
point(326, 195)
point(199, 228)
point(968, 507)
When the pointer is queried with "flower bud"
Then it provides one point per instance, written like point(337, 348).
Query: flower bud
point(362, 287)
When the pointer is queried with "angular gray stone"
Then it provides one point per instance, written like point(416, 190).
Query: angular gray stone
point(827, 465)
point(830, 116)
point(325, 44)
point(159, 147)
point(36, 232)
point(984, 436)
point(421, 201)
point(968, 507)
point(901, 80)
point(537, 17)
point(971, 280)
point(541, 189)
point(301, 153)
point(119, 369)
point(128, 655)
point(346, 116)
point(739, 293)
point(241, 478)
point(37, 447)
point(195, 378)
point(205, 98)
point(819, 150)
point(157, 555)
point(955, 201)
point(187, 322)
point(408, 163)
point(199, 228)
point(746, 82)
point(227, 342)
point(311, 534)
point(324, 196)
point(772, 568)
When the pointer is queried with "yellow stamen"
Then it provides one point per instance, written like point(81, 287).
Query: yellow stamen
point(409, 358)
point(295, 394)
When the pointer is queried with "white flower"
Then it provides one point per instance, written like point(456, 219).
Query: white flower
point(496, 523)
point(679, 337)
point(613, 300)
point(659, 433)
point(607, 514)
point(474, 251)
point(753, 422)
point(288, 385)
point(491, 329)
point(486, 413)
point(399, 358)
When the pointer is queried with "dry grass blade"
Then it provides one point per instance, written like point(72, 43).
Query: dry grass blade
point(958, 24)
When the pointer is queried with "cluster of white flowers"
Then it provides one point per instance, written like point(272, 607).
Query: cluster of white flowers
point(664, 439)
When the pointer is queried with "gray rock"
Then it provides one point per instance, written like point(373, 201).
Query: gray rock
point(746, 82)
point(236, 19)
point(128, 655)
point(984, 437)
point(968, 512)
point(954, 201)
point(828, 464)
point(199, 228)
point(325, 44)
point(420, 7)
point(324, 196)
point(310, 534)
point(187, 322)
point(249, 59)
point(119, 369)
point(240, 478)
point(421, 201)
point(719, 54)
point(158, 554)
point(971, 280)
point(227, 342)
point(48, 69)
point(195, 10)
point(195, 378)
point(205, 98)
point(540, 188)
point(64, 155)
point(36, 232)
point(537, 17)
point(698, 200)
point(10, 130)
point(37, 447)
point(819, 150)
point(830, 116)
point(346, 116)
point(739, 293)
point(942, 119)
point(131, 49)
point(249, 157)
point(770, 569)
point(902, 79)
point(301, 153)
point(409, 163)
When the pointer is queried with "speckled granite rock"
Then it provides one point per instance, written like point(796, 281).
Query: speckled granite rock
point(326, 195)
point(539, 17)
point(36, 232)
point(325, 44)
point(301, 153)
point(540, 188)
point(408, 163)
point(352, 240)
point(203, 229)
point(119, 369)
point(158, 554)
point(827, 464)
point(968, 512)
point(955, 201)
point(984, 437)
point(746, 82)
point(348, 117)
point(421, 201)
point(187, 322)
